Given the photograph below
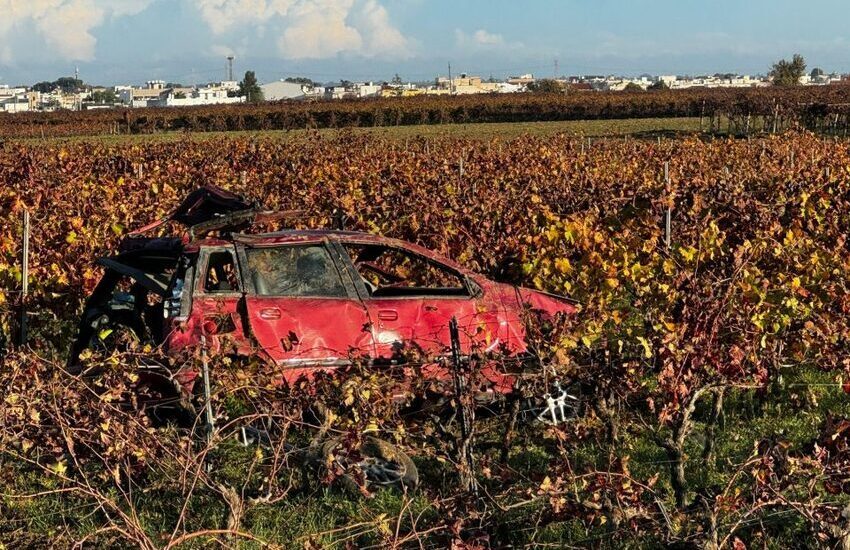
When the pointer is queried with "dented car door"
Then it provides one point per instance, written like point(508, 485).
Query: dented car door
point(216, 293)
point(411, 299)
point(303, 310)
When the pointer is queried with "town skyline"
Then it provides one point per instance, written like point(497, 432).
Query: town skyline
point(131, 41)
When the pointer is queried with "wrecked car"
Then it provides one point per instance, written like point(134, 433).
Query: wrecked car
point(305, 301)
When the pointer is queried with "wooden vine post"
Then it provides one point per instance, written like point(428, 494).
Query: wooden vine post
point(668, 214)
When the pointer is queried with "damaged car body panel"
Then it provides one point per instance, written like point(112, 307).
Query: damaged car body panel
point(303, 311)
point(307, 301)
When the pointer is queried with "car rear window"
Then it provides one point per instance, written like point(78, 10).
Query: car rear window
point(296, 271)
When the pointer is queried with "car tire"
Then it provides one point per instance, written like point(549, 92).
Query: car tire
point(376, 465)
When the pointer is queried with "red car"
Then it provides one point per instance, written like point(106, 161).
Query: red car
point(307, 301)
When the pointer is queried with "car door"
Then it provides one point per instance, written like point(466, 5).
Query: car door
point(303, 309)
point(214, 307)
point(412, 299)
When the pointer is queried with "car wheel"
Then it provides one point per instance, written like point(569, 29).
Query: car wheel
point(376, 465)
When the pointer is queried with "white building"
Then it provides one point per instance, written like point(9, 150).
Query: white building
point(276, 91)
point(340, 92)
point(211, 95)
point(124, 94)
point(508, 88)
point(668, 80)
point(7, 91)
point(368, 89)
point(14, 105)
point(155, 94)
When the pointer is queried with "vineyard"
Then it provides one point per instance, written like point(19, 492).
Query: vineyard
point(712, 352)
point(823, 109)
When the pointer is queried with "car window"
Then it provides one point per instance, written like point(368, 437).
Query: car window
point(221, 275)
point(396, 272)
point(303, 270)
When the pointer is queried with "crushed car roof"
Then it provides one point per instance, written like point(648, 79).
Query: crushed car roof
point(306, 235)
point(211, 209)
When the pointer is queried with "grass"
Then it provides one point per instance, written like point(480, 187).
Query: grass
point(316, 516)
point(648, 127)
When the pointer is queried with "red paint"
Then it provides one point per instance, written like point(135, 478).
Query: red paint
point(306, 335)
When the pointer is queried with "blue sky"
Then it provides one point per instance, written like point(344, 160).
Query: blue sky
point(129, 41)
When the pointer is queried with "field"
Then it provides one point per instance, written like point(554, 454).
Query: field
point(637, 128)
point(764, 110)
point(714, 367)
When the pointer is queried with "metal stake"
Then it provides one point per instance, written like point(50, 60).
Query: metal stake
point(25, 278)
point(207, 391)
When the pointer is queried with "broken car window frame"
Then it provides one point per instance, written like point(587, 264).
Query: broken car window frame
point(470, 289)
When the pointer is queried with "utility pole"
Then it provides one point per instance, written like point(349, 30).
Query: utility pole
point(555, 74)
point(230, 68)
point(451, 83)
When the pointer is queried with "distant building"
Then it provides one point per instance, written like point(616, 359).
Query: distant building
point(522, 80)
point(124, 94)
point(188, 97)
point(276, 91)
point(14, 105)
point(155, 94)
point(142, 97)
point(340, 92)
point(509, 88)
point(368, 89)
point(466, 85)
point(401, 90)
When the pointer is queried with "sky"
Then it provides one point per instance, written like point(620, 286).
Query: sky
point(186, 41)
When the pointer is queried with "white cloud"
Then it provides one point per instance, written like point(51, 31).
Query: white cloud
point(318, 29)
point(484, 40)
point(299, 29)
point(67, 28)
point(488, 39)
point(225, 15)
point(222, 51)
point(123, 8)
point(380, 38)
point(65, 25)
point(311, 29)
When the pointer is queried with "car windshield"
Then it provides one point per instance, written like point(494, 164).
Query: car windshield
point(304, 270)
